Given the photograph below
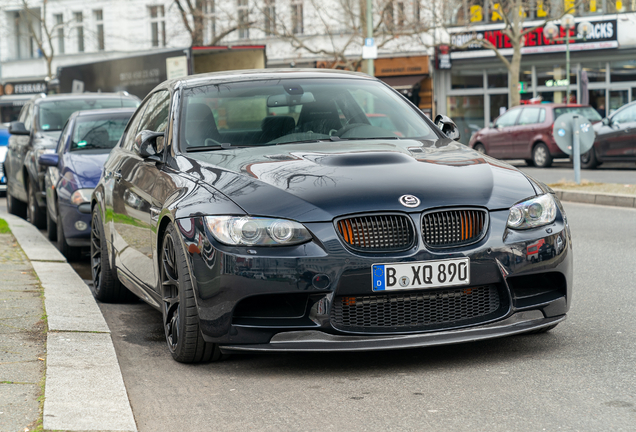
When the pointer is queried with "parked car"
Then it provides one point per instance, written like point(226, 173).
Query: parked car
point(256, 218)
point(73, 172)
point(615, 139)
point(4, 140)
point(525, 132)
point(35, 133)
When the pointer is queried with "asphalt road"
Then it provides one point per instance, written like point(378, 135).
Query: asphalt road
point(581, 376)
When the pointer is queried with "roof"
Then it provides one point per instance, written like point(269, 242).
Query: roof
point(76, 96)
point(107, 111)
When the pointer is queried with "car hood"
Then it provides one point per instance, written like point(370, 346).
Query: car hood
point(320, 181)
point(86, 167)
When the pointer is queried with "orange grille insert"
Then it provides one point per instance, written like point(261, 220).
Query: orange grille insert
point(453, 227)
point(377, 232)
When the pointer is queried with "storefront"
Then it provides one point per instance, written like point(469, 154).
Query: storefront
point(475, 90)
point(14, 94)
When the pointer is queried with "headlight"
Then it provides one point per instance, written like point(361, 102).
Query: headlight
point(81, 196)
point(533, 213)
point(249, 231)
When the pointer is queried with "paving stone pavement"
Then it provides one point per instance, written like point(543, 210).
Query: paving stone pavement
point(22, 339)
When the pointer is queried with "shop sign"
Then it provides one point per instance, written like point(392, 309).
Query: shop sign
point(603, 35)
point(556, 83)
point(397, 66)
point(23, 88)
point(443, 57)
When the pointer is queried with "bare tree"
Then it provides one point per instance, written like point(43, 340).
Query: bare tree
point(199, 16)
point(513, 14)
point(335, 30)
point(40, 31)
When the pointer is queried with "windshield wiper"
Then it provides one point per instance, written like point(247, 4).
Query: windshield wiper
point(302, 142)
point(223, 146)
point(90, 146)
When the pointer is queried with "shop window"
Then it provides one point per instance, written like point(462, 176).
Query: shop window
point(597, 101)
point(468, 114)
point(617, 99)
point(554, 76)
point(554, 96)
point(498, 106)
point(595, 71)
point(467, 79)
point(623, 71)
point(498, 78)
point(614, 6)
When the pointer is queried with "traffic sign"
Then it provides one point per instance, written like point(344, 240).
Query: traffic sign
point(563, 129)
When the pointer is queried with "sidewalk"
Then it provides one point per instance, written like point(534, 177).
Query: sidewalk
point(84, 389)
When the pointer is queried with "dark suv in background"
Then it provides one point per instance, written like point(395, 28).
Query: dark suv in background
point(35, 133)
point(525, 132)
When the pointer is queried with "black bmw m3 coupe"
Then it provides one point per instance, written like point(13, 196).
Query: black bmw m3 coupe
point(263, 211)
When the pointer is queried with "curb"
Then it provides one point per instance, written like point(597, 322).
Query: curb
point(616, 200)
point(84, 389)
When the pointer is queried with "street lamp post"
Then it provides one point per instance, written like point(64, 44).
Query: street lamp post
point(550, 32)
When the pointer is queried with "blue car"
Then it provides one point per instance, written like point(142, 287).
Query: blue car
point(4, 140)
point(74, 170)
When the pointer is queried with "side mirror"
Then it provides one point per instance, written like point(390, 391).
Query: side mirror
point(49, 159)
point(491, 124)
point(17, 128)
point(606, 121)
point(448, 126)
point(146, 144)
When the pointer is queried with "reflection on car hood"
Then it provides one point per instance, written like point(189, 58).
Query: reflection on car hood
point(86, 167)
point(320, 181)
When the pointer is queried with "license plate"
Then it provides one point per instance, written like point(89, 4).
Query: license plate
point(418, 275)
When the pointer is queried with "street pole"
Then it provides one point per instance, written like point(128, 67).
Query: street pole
point(576, 149)
point(567, 63)
point(370, 70)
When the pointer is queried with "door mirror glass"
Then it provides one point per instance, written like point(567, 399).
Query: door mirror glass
point(448, 126)
point(606, 121)
point(18, 128)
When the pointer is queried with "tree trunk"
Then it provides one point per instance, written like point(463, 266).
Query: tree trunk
point(513, 79)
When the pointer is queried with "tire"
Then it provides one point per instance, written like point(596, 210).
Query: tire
point(541, 156)
point(15, 206)
point(106, 287)
point(51, 226)
point(35, 215)
point(180, 319)
point(71, 253)
point(589, 160)
point(480, 148)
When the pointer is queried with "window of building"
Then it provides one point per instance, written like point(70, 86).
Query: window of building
point(99, 29)
point(297, 16)
point(59, 32)
point(243, 19)
point(78, 17)
point(554, 76)
point(595, 71)
point(497, 78)
point(157, 26)
point(388, 16)
point(270, 17)
point(210, 21)
point(401, 15)
point(464, 79)
point(623, 71)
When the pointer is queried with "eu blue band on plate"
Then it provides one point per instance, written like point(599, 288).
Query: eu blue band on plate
point(378, 278)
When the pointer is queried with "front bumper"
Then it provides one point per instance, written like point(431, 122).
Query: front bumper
point(268, 299)
point(72, 220)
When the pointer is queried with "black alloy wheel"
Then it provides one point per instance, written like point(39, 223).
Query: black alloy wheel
point(180, 320)
point(541, 156)
point(34, 215)
point(15, 206)
point(71, 253)
point(106, 286)
point(589, 160)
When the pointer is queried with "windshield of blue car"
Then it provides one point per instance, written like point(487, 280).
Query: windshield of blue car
point(274, 112)
point(98, 132)
point(586, 111)
point(54, 114)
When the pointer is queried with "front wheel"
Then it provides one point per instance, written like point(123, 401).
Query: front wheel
point(541, 156)
point(480, 148)
point(35, 215)
point(180, 319)
point(588, 159)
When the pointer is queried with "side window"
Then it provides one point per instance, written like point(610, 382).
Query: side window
point(23, 113)
point(63, 138)
point(529, 116)
point(626, 115)
point(28, 117)
point(155, 117)
point(541, 115)
point(508, 119)
point(133, 126)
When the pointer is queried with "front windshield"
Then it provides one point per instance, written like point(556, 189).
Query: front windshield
point(271, 112)
point(54, 114)
point(588, 112)
point(98, 132)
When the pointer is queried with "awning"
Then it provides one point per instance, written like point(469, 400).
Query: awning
point(403, 82)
